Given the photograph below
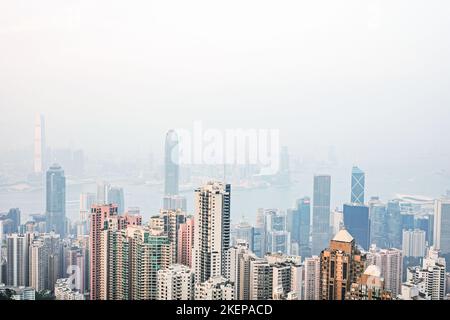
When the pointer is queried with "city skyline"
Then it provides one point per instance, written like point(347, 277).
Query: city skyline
point(231, 151)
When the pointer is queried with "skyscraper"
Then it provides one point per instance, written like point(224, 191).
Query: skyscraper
point(238, 269)
point(174, 202)
point(442, 226)
point(171, 164)
point(277, 238)
point(39, 144)
point(356, 221)
point(172, 220)
point(56, 200)
point(212, 230)
point(151, 252)
point(44, 261)
point(243, 231)
point(115, 196)
point(390, 262)
point(378, 220)
point(102, 192)
point(358, 181)
point(394, 224)
point(341, 265)
point(186, 242)
point(312, 278)
point(413, 243)
point(17, 268)
point(321, 213)
point(300, 225)
point(100, 216)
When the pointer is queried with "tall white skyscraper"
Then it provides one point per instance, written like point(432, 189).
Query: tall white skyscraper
point(312, 278)
point(39, 144)
point(413, 243)
point(212, 230)
point(442, 226)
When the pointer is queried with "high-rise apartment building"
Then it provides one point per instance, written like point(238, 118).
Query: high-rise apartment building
point(260, 287)
point(150, 252)
point(358, 182)
point(172, 220)
point(312, 278)
point(321, 213)
point(176, 283)
point(238, 269)
point(17, 267)
point(390, 263)
point(44, 261)
point(56, 200)
point(215, 288)
point(212, 230)
point(186, 242)
point(430, 279)
point(341, 265)
point(100, 218)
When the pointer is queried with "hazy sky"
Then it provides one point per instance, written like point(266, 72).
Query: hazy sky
point(371, 78)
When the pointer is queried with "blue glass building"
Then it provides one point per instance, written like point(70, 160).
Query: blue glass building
point(356, 221)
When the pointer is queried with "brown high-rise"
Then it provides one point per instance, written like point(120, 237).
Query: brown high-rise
point(340, 266)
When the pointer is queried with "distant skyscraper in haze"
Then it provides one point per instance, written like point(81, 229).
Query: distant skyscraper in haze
point(212, 230)
point(56, 200)
point(356, 221)
point(378, 219)
point(414, 243)
point(174, 202)
point(300, 225)
point(394, 224)
point(39, 144)
point(171, 165)
point(102, 192)
point(115, 195)
point(441, 232)
point(358, 181)
point(321, 213)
